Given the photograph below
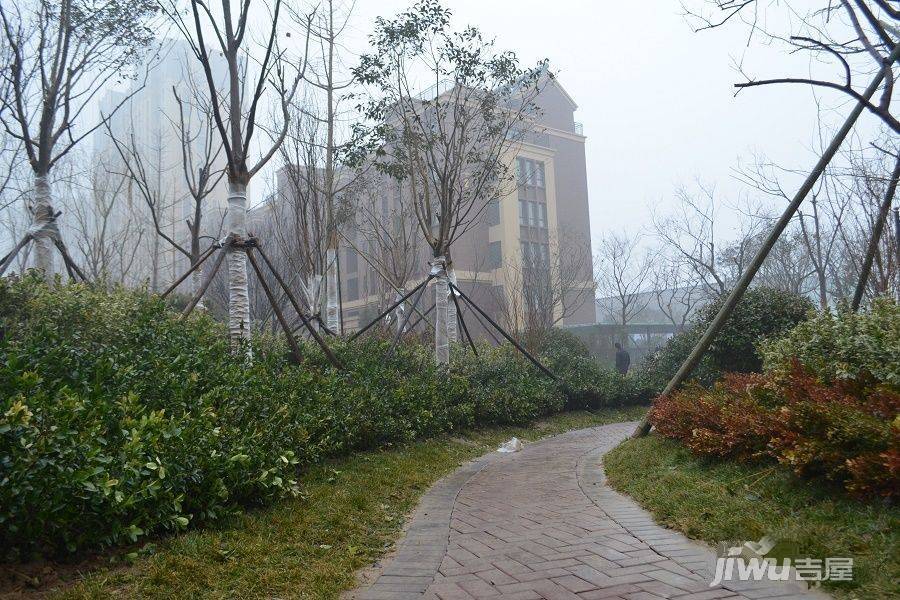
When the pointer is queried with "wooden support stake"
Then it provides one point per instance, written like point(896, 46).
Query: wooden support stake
point(8, 259)
point(68, 259)
point(462, 322)
point(422, 316)
point(206, 282)
point(290, 295)
point(509, 338)
point(884, 212)
point(389, 309)
point(292, 342)
point(401, 331)
point(743, 283)
point(193, 268)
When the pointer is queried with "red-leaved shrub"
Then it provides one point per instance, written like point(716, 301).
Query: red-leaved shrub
point(732, 420)
point(845, 433)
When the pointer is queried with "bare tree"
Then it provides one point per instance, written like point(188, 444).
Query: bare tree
point(867, 242)
point(676, 289)
point(143, 166)
point(622, 273)
point(106, 231)
point(58, 55)
point(541, 291)
point(311, 206)
point(692, 234)
point(450, 144)
point(329, 78)
point(884, 52)
point(386, 237)
point(852, 37)
point(235, 110)
point(199, 149)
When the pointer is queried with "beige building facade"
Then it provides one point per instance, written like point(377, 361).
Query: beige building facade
point(540, 219)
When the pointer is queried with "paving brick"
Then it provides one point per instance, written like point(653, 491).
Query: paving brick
point(543, 524)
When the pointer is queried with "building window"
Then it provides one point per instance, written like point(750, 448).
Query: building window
point(493, 212)
point(535, 254)
point(530, 172)
point(495, 255)
point(351, 260)
point(523, 213)
point(353, 289)
point(542, 216)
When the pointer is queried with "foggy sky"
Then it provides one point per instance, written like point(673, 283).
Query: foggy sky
point(656, 99)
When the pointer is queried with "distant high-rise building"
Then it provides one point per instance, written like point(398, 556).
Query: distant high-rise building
point(147, 120)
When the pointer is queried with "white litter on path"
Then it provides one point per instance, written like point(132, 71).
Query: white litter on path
point(513, 445)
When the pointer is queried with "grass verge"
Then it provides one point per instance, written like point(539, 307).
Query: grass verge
point(715, 501)
point(351, 511)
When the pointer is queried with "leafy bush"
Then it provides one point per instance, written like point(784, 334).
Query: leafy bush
point(844, 346)
point(762, 313)
point(559, 342)
point(731, 420)
point(120, 420)
point(846, 434)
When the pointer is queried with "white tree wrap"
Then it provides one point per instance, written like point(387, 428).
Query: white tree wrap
point(400, 311)
point(332, 316)
point(452, 318)
point(441, 287)
point(238, 295)
point(313, 294)
point(43, 227)
point(196, 282)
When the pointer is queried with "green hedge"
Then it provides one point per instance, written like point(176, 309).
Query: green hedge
point(118, 420)
point(843, 346)
point(762, 313)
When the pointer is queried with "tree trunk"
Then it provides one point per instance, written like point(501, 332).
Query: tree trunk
point(196, 282)
point(43, 227)
point(400, 311)
point(238, 293)
point(332, 316)
point(452, 317)
point(441, 293)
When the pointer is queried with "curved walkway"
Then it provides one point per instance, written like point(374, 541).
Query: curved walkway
point(542, 523)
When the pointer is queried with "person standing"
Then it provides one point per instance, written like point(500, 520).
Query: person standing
point(623, 359)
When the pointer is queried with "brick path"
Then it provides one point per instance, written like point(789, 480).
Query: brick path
point(541, 523)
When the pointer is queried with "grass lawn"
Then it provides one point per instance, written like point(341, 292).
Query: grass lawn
point(351, 511)
point(716, 501)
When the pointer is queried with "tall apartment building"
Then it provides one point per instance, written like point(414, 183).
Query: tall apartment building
point(147, 120)
point(543, 219)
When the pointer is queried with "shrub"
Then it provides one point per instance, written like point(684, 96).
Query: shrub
point(762, 313)
point(846, 434)
point(120, 420)
point(559, 342)
point(585, 383)
point(843, 346)
point(505, 388)
point(732, 420)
